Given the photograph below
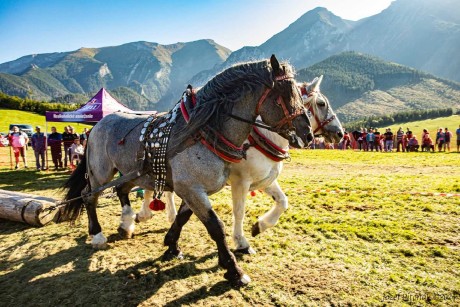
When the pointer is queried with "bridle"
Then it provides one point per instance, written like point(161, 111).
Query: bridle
point(286, 120)
point(309, 106)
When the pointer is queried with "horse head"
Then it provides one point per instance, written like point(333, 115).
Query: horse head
point(322, 117)
point(281, 106)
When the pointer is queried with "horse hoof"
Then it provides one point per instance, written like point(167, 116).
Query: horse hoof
point(247, 251)
point(255, 229)
point(99, 241)
point(172, 254)
point(142, 218)
point(238, 281)
point(124, 234)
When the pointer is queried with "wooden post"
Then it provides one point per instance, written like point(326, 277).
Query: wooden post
point(27, 208)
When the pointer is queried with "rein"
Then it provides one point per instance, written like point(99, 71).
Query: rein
point(221, 146)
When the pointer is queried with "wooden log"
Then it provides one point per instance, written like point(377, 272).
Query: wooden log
point(27, 208)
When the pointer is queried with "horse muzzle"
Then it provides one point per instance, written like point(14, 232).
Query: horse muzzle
point(295, 141)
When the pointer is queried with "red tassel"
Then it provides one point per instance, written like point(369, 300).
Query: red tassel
point(253, 193)
point(157, 205)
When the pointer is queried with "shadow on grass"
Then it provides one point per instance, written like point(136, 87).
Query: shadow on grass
point(22, 180)
point(73, 277)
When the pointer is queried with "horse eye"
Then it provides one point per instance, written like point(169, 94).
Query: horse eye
point(321, 104)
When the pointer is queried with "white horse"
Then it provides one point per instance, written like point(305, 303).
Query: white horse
point(262, 167)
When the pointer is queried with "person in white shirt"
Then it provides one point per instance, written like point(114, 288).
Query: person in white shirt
point(18, 140)
point(76, 152)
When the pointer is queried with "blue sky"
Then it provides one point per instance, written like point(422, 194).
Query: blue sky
point(40, 26)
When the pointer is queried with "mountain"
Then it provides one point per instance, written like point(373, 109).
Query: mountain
point(359, 85)
point(143, 75)
point(423, 34)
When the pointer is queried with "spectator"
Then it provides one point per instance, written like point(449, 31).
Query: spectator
point(76, 152)
point(378, 140)
point(458, 138)
point(408, 137)
point(39, 147)
point(84, 137)
point(345, 140)
point(370, 139)
point(447, 138)
point(413, 144)
point(358, 137)
point(400, 140)
point(68, 138)
point(55, 143)
point(388, 140)
point(18, 140)
point(440, 139)
point(427, 143)
point(363, 135)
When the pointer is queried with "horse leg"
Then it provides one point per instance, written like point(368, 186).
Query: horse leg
point(127, 225)
point(170, 207)
point(98, 241)
point(145, 214)
point(199, 203)
point(173, 234)
point(239, 192)
point(270, 218)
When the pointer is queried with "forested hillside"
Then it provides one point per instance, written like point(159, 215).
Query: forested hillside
point(360, 85)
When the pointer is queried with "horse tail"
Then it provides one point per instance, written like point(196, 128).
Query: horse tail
point(74, 186)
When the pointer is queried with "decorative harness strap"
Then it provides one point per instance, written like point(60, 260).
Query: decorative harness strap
point(208, 136)
point(154, 139)
point(266, 147)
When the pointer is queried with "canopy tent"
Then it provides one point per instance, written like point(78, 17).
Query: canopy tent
point(100, 105)
point(94, 110)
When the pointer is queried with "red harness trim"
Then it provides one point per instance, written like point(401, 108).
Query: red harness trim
point(268, 141)
point(184, 111)
point(262, 150)
point(218, 153)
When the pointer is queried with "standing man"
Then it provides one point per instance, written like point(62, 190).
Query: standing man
point(18, 140)
point(400, 140)
point(84, 137)
point(55, 142)
point(388, 140)
point(440, 139)
point(447, 138)
point(39, 147)
point(458, 138)
point(67, 137)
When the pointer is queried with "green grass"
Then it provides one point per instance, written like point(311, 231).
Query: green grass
point(9, 116)
point(375, 243)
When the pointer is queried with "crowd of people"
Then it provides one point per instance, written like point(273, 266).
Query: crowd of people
point(72, 143)
point(402, 141)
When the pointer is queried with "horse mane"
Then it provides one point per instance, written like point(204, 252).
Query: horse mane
point(219, 95)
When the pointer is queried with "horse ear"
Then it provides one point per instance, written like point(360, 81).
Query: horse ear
point(316, 83)
point(275, 65)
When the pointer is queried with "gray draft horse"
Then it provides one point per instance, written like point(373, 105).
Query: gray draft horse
point(229, 105)
point(260, 170)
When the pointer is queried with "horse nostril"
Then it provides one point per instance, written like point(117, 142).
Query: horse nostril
point(310, 137)
point(340, 134)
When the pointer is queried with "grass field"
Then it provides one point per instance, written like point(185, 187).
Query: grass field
point(377, 242)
